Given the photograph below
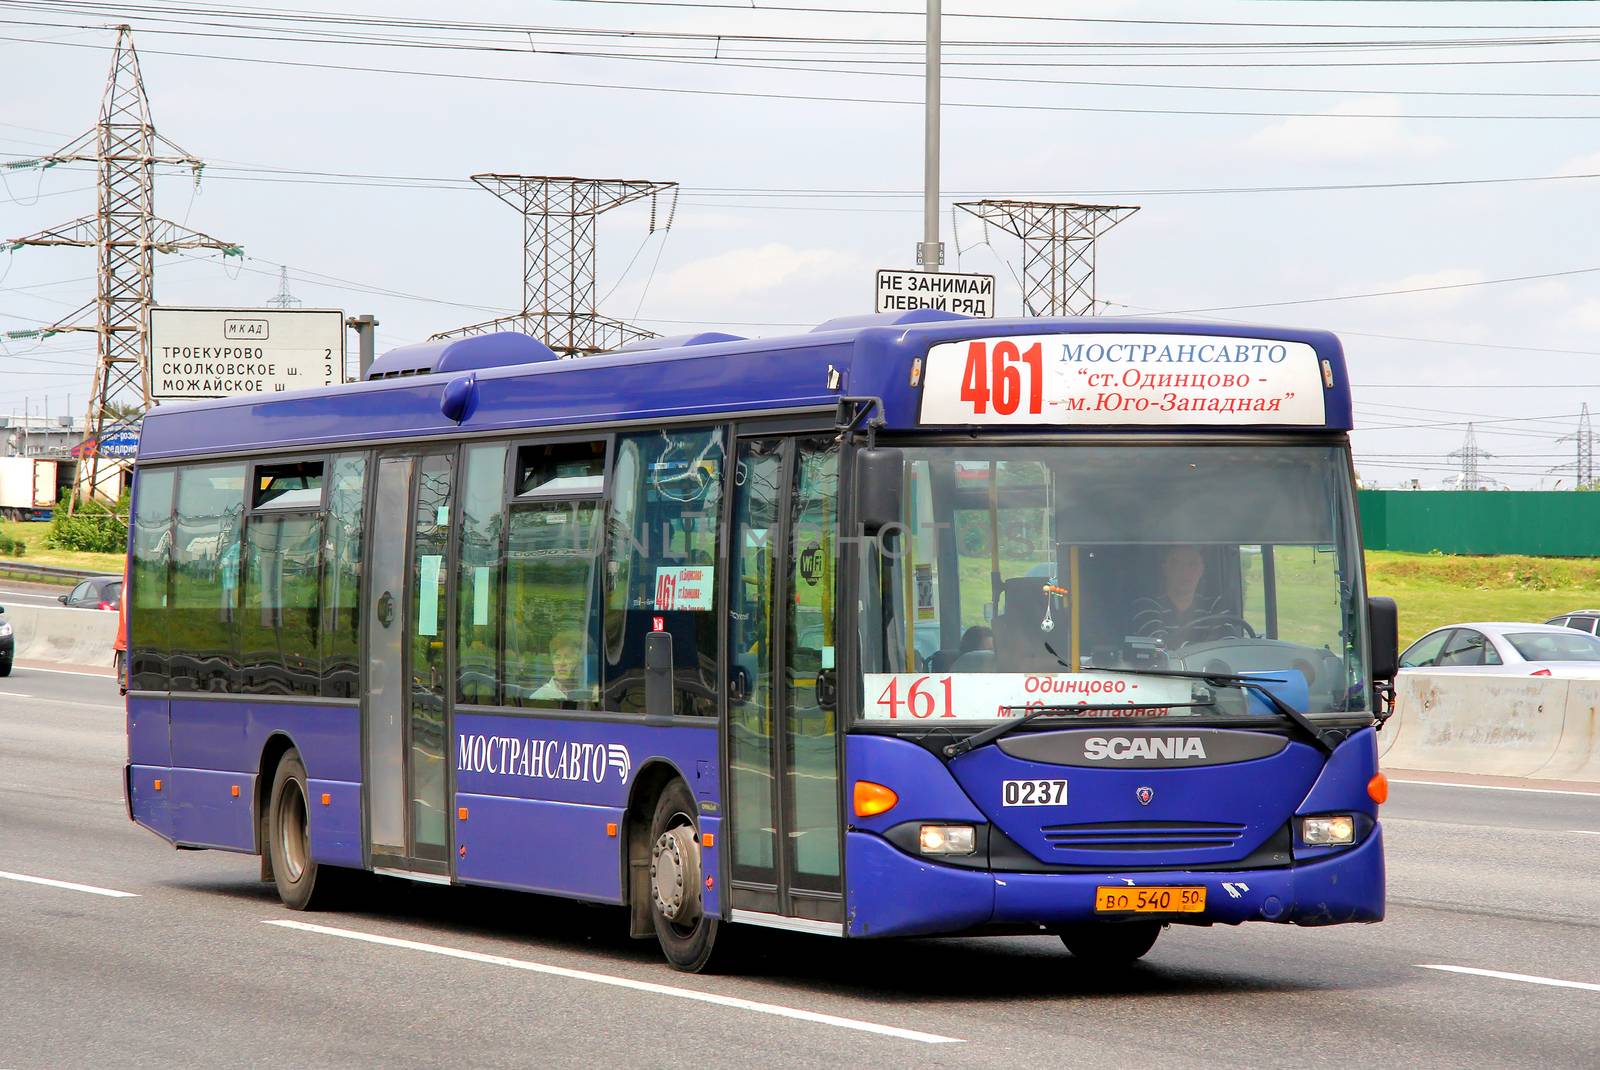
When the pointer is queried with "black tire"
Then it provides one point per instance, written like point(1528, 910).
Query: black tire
point(5, 666)
point(302, 884)
point(687, 936)
point(1117, 944)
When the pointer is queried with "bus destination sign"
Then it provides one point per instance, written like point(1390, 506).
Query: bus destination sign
point(222, 352)
point(1045, 379)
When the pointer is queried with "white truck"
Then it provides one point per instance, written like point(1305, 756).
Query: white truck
point(27, 488)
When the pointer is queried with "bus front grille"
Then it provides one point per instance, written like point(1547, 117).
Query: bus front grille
point(1143, 835)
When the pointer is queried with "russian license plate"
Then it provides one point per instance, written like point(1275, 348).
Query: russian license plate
point(1033, 793)
point(1172, 899)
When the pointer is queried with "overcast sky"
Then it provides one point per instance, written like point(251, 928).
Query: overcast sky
point(752, 248)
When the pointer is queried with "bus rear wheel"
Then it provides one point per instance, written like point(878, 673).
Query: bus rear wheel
point(688, 937)
point(302, 884)
point(1111, 945)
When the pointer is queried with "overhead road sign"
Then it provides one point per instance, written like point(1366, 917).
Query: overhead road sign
point(221, 352)
point(902, 291)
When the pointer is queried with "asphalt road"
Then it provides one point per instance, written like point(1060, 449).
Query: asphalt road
point(31, 594)
point(195, 968)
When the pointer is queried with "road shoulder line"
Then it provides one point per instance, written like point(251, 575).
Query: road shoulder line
point(622, 982)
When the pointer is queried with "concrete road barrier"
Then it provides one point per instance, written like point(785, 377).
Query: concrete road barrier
point(68, 636)
point(1524, 726)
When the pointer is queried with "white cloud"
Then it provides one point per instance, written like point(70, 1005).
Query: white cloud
point(750, 273)
point(1339, 135)
point(1587, 164)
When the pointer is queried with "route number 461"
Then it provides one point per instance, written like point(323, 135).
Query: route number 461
point(922, 698)
point(1003, 378)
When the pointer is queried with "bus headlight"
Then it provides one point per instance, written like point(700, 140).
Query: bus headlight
point(1328, 830)
point(948, 839)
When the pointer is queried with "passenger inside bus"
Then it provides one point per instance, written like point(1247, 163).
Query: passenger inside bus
point(566, 661)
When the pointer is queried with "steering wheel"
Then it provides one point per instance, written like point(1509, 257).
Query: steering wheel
point(1228, 617)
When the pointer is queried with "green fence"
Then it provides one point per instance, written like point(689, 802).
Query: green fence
point(1540, 523)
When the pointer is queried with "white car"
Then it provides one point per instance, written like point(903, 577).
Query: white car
point(1506, 650)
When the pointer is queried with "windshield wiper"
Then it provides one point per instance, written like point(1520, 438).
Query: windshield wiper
point(1254, 684)
point(989, 735)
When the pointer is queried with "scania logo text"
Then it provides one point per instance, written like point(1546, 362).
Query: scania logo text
point(1130, 748)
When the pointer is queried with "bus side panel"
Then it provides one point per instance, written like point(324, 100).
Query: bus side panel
point(336, 823)
point(539, 846)
point(147, 801)
point(540, 792)
point(894, 894)
point(218, 744)
point(149, 761)
point(211, 809)
point(890, 892)
point(149, 741)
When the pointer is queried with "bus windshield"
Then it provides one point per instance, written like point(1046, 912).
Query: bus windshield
point(1019, 571)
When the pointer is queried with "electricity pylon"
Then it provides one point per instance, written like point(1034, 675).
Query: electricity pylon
point(1470, 455)
point(558, 258)
point(1058, 244)
point(125, 232)
point(283, 298)
point(1583, 464)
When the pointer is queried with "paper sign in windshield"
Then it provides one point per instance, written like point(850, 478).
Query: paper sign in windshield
point(969, 696)
point(1055, 379)
point(684, 587)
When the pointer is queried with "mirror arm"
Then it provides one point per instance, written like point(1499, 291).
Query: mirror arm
point(851, 412)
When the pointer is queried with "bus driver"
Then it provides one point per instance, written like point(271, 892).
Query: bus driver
point(1180, 614)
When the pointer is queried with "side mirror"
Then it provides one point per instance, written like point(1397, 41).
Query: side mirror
point(880, 472)
point(62, 598)
point(658, 674)
point(1383, 628)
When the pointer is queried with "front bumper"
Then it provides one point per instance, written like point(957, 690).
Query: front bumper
point(896, 894)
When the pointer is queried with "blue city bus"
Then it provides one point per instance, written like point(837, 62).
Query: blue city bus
point(913, 624)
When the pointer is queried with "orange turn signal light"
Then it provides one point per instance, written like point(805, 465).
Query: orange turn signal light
point(1378, 788)
point(236, 791)
point(707, 840)
point(461, 813)
point(326, 798)
point(873, 799)
point(611, 828)
point(158, 784)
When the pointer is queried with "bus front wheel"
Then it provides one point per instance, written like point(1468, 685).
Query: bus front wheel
point(1111, 945)
point(301, 883)
point(687, 935)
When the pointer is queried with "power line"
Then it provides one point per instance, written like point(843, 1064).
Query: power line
point(842, 99)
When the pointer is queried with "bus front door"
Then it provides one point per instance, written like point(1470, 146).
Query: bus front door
point(782, 748)
point(404, 702)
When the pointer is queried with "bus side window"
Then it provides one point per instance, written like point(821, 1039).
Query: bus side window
point(205, 579)
point(1252, 581)
point(341, 578)
point(661, 568)
point(149, 638)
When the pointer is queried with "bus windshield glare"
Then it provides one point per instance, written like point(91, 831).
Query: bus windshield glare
point(1020, 571)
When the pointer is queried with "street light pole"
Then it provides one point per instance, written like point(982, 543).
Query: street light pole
point(930, 252)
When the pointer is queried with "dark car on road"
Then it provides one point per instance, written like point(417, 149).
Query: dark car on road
point(96, 592)
point(8, 644)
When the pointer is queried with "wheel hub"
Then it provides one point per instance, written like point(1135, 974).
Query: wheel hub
point(675, 875)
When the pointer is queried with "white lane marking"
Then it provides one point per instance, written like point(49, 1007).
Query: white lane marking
point(626, 982)
point(108, 674)
point(1584, 832)
point(1524, 977)
point(14, 694)
point(1496, 787)
point(68, 885)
